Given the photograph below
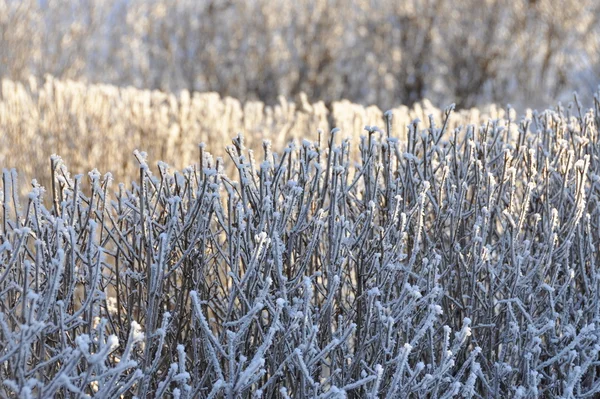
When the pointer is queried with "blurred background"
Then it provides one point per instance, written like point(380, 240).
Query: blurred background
point(383, 52)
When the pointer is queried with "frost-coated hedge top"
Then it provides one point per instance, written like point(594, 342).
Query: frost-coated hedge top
point(454, 264)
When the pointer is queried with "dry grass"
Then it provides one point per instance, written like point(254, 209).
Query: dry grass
point(99, 126)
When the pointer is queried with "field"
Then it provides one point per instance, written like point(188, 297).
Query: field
point(255, 199)
point(51, 116)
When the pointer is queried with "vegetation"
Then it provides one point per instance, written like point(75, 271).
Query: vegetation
point(99, 126)
point(459, 261)
point(529, 53)
point(330, 249)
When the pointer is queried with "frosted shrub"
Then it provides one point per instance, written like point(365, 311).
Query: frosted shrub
point(455, 263)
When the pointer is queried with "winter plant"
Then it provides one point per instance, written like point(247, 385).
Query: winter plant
point(458, 262)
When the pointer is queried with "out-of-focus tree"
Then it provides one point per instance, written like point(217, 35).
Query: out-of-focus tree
point(17, 45)
point(380, 52)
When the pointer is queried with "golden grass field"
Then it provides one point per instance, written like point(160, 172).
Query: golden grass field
point(99, 126)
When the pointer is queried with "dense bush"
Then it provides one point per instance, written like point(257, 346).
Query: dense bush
point(383, 52)
point(457, 262)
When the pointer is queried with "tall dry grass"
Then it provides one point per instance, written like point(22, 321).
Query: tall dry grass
point(99, 126)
